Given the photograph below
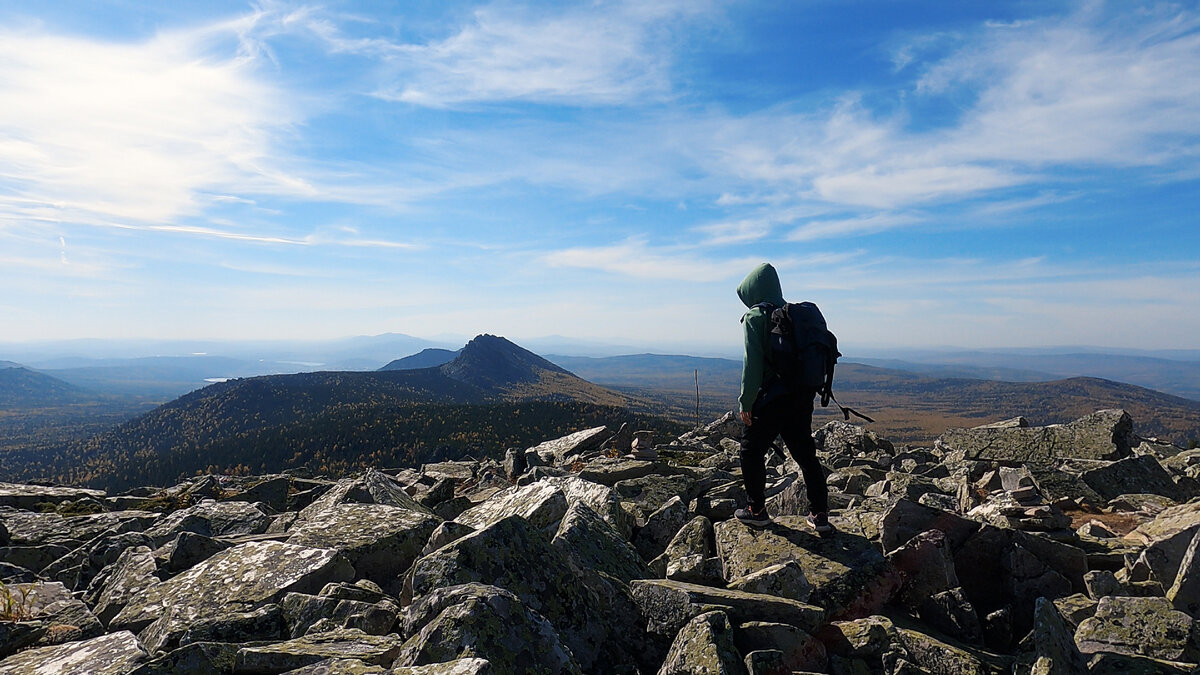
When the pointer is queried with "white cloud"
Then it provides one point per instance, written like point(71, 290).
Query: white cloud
point(636, 258)
point(610, 53)
point(822, 229)
point(135, 131)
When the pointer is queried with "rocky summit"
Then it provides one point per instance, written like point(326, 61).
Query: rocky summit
point(1007, 548)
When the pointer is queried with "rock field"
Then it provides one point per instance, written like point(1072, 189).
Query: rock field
point(1000, 549)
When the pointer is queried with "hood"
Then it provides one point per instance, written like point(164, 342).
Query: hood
point(761, 285)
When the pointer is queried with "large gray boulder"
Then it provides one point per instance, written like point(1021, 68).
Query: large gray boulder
point(1140, 627)
point(704, 645)
point(541, 504)
point(845, 571)
point(64, 617)
point(113, 654)
point(1142, 474)
point(310, 649)
point(660, 528)
point(371, 487)
point(601, 499)
point(211, 519)
point(1055, 642)
point(1166, 539)
point(238, 579)
point(485, 622)
point(555, 451)
point(1184, 593)
point(692, 555)
point(785, 580)
point(1105, 434)
point(27, 497)
point(592, 543)
point(380, 541)
point(77, 569)
point(668, 605)
point(588, 612)
point(125, 579)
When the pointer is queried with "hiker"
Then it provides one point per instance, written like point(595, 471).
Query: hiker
point(769, 409)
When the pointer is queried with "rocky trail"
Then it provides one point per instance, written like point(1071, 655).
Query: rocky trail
point(1000, 549)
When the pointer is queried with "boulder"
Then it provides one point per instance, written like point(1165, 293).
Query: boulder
point(272, 491)
point(950, 612)
point(592, 543)
point(841, 439)
point(704, 645)
point(610, 471)
point(1054, 641)
point(1141, 473)
point(186, 551)
point(940, 657)
point(906, 519)
point(660, 528)
point(694, 543)
point(128, 577)
point(600, 499)
point(669, 604)
point(1184, 593)
point(926, 567)
point(485, 622)
point(16, 635)
point(1167, 538)
point(211, 519)
point(785, 580)
point(515, 555)
point(1139, 627)
point(113, 654)
point(77, 569)
point(239, 579)
point(797, 649)
point(262, 624)
point(381, 542)
point(371, 487)
point(541, 504)
point(27, 497)
point(65, 617)
point(651, 493)
point(310, 649)
point(302, 613)
point(455, 667)
point(557, 450)
point(1106, 435)
point(341, 667)
point(845, 571)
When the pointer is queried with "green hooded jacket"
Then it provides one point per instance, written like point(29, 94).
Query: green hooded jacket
point(761, 285)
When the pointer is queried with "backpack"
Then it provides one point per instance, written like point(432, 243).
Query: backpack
point(803, 351)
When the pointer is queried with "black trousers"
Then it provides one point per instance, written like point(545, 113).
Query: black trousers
point(790, 416)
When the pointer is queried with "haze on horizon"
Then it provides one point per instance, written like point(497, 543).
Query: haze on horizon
point(1004, 174)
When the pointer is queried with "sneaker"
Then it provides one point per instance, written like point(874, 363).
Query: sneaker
point(753, 518)
point(820, 522)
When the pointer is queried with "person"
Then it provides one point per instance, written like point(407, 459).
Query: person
point(769, 410)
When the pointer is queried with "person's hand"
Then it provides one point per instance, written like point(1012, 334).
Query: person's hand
point(746, 417)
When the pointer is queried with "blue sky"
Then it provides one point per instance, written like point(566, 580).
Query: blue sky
point(931, 173)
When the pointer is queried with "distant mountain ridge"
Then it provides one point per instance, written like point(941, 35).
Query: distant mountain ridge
point(426, 358)
point(21, 387)
point(276, 421)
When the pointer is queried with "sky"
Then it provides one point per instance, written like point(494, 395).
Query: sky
point(971, 174)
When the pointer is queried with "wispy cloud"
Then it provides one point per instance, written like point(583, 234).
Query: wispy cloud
point(821, 229)
point(611, 53)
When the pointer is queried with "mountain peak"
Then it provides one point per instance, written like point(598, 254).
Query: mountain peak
point(495, 363)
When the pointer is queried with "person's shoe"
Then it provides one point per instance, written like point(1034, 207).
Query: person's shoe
point(759, 518)
point(820, 522)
